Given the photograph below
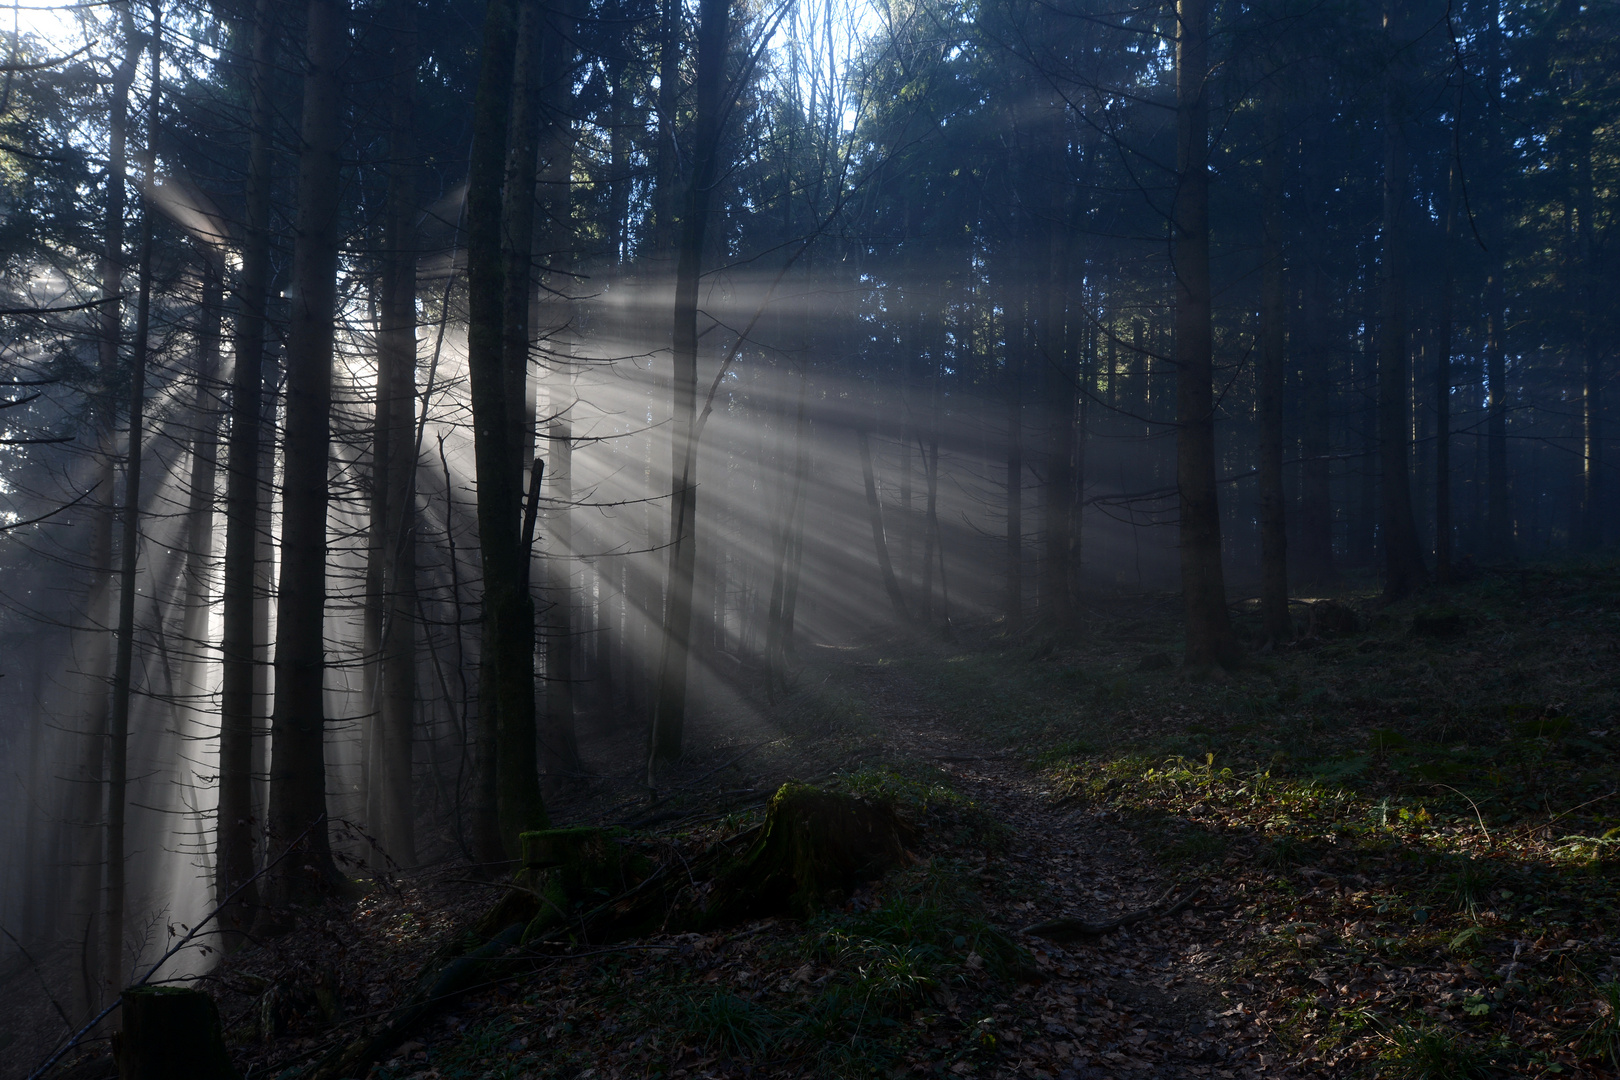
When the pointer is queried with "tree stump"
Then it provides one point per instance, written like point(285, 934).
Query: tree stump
point(168, 1032)
point(570, 869)
point(814, 847)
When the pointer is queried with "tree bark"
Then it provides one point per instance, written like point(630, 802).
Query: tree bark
point(506, 676)
point(1403, 561)
point(1274, 618)
point(880, 542)
point(559, 746)
point(129, 551)
point(1209, 628)
point(298, 720)
point(1017, 343)
point(669, 718)
point(1442, 369)
point(1499, 538)
point(1592, 368)
point(90, 902)
point(389, 810)
point(234, 835)
point(1057, 586)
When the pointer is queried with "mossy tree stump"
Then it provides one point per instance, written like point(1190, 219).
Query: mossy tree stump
point(168, 1032)
point(570, 868)
point(813, 848)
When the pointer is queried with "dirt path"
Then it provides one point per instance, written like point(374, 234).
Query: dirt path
point(1151, 1000)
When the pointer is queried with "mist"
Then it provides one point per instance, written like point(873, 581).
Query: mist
point(819, 324)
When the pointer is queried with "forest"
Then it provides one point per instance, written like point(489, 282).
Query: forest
point(719, 538)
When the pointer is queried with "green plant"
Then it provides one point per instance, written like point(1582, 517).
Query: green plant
point(1468, 884)
point(723, 1022)
point(1283, 853)
point(1431, 1053)
point(1601, 1039)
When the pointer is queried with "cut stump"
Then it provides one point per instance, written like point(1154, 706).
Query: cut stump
point(572, 869)
point(171, 1031)
point(813, 848)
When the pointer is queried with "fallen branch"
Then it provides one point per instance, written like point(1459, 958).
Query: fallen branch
point(1065, 929)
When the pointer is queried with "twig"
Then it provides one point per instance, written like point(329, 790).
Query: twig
point(42, 983)
point(1477, 815)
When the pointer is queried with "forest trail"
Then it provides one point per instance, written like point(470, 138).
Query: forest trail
point(1145, 1001)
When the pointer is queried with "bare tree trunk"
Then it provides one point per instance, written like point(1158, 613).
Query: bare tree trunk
point(559, 746)
point(129, 551)
point(392, 579)
point(1057, 594)
point(204, 473)
point(1403, 561)
point(559, 739)
point(506, 675)
point(1592, 487)
point(1012, 603)
point(880, 542)
point(1499, 539)
point(298, 722)
point(1442, 370)
point(669, 718)
point(666, 159)
point(90, 902)
point(1209, 628)
point(1274, 617)
point(775, 625)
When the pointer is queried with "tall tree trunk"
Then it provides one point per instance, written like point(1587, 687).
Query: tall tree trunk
point(1403, 560)
point(518, 233)
point(1017, 343)
point(559, 741)
point(239, 704)
point(559, 746)
point(129, 547)
point(666, 161)
point(1442, 366)
point(880, 541)
point(298, 721)
point(90, 902)
point(669, 718)
point(506, 675)
point(1499, 540)
point(389, 809)
point(1057, 594)
point(1209, 627)
point(775, 647)
point(1592, 369)
point(1274, 618)
point(204, 473)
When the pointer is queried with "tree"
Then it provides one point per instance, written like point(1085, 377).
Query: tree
point(669, 716)
point(1274, 617)
point(298, 722)
point(506, 660)
point(392, 570)
point(129, 547)
point(233, 848)
point(1403, 561)
point(1209, 628)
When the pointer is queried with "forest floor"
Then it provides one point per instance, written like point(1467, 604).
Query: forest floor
point(1394, 843)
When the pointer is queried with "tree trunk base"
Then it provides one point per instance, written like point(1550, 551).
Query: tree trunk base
point(170, 1031)
point(814, 847)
